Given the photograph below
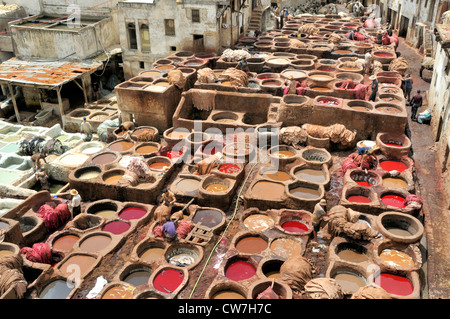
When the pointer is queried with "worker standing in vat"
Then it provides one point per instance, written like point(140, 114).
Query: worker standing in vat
point(169, 229)
point(379, 37)
point(76, 202)
point(374, 87)
point(243, 65)
point(36, 158)
point(317, 216)
point(168, 198)
point(42, 177)
point(87, 129)
point(416, 103)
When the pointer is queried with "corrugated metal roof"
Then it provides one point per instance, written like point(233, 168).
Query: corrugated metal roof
point(49, 74)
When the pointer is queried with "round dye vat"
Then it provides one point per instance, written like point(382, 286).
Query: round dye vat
point(320, 77)
point(138, 277)
point(106, 213)
point(5, 253)
point(121, 146)
point(168, 280)
point(398, 231)
point(146, 149)
point(383, 55)
point(251, 245)
point(271, 83)
point(393, 182)
point(311, 175)
point(285, 247)
point(396, 258)
point(283, 154)
point(132, 213)
point(172, 154)
point(277, 175)
point(144, 132)
point(113, 179)
point(89, 175)
point(350, 281)
point(268, 190)
point(82, 263)
point(229, 168)
point(364, 183)
point(393, 200)
point(342, 51)
point(188, 185)
point(388, 109)
point(327, 102)
point(208, 217)
point(216, 187)
point(395, 284)
point(104, 158)
point(227, 294)
point(65, 243)
point(240, 270)
point(56, 289)
point(158, 165)
point(318, 88)
point(295, 226)
point(393, 144)
point(119, 292)
point(305, 193)
point(393, 166)
point(178, 134)
point(152, 254)
point(348, 68)
point(360, 108)
point(258, 222)
point(352, 255)
point(95, 243)
point(117, 227)
point(359, 199)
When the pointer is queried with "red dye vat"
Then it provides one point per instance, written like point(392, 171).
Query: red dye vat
point(295, 226)
point(364, 183)
point(240, 270)
point(393, 144)
point(132, 213)
point(116, 227)
point(172, 154)
point(394, 284)
point(168, 280)
point(328, 102)
point(229, 168)
point(383, 55)
point(394, 200)
point(393, 166)
point(358, 199)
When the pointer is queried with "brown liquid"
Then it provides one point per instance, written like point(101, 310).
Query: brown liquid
point(158, 165)
point(216, 187)
point(268, 190)
point(227, 294)
point(165, 67)
point(286, 247)
point(162, 83)
point(318, 88)
point(104, 158)
point(146, 149)
point(396, 258)
point(392, 182)
point(349, 282)
point(312, 175)
point(188, 185)
point(283, 154)
point(5, 253)
point(152, 254)
point(319, 77)
point(83, 262)
point(151, 74)
point(251, 245)
point(352, 256)
point(142, 132)
point(258, 222)
point(65, 243)
point(177, 135)
point(95, 243)
point(399, 231)
point(347, 68)
point(305, 192)
point(113, 179)
point(121, 146)
point(277, 175)
point(387, 109)
point(106, 213)
point(342, 51)
point(360, 108)
point(119, 292)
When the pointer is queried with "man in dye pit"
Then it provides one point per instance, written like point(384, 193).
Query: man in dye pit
point(37, 158)
point(87, 129)
point(374, 87)
point(42, 177)
point(318, 215)
point(168, 198)
point(169, 229)
point(76, 202)
point(243, 65)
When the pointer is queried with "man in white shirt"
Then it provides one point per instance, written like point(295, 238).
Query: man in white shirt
point(76, 203)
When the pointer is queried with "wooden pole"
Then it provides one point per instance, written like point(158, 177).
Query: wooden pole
point(60, 103)
point(13, 98)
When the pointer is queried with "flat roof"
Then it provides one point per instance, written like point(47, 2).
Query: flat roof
point(44, 74)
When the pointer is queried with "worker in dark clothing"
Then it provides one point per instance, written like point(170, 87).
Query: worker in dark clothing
point(374, 87)
point(416, 103)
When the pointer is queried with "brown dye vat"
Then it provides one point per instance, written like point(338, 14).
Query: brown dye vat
point(158, 165)
point(396, 258)
point(258, 222)
point(89, 174)
point(178, 134)
point(251, 245)
point(318, 88)
point(143, 131)
point(165, 67)
point(188, 185)
point(268, 190)
point(388, 109)
point(65, 243)
point(305, 192)
point(151, 74)
point(146, 149)
point(394, 182)
point(352, 256)
point(348, 68)
point(105, 213)
point(216, 187)
point(311, 175)
point(151, 254)
point(119, 292)
point(283, 154)
point(350, 281)
point(227, 294)
point(271, 83)
point(95, 243)
point(104, 158)
point(84, 263)
point(360, 108)
point(342, 51)
point(6, 253)
point(121, 146)
point(285, 247)
point(320, 77)
point(113, 179)
point(277, 175)
point(162, 83)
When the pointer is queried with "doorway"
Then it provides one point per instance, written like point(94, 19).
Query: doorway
point(403, 27)
point(199, 45)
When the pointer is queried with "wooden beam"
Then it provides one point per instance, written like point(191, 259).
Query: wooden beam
point(60, 103)
point(13, 98)
point(83, 88)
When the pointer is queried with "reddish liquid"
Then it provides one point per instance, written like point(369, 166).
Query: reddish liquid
point(327, 102)
point(172, 154)
point(229, 168)
point(294, 226)
point(132, 213)
point(394, 284)
point(393, 166)
point(117, 227)
point(393, 144)
point(240, 270)
point(383, 55)
point(358, 199)
point(168, 280)
point(363, 183)
point(394, 200)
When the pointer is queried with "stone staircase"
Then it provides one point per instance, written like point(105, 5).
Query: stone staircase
point(255, 20)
